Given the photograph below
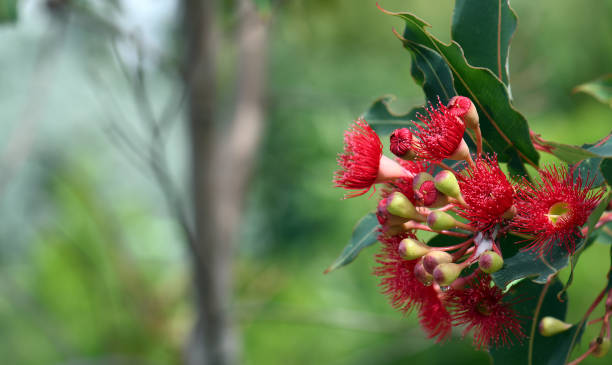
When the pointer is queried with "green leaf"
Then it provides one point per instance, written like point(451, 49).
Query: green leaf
point(538, 349)
point(432, 74)
point(484, 30)
point(384, 121)
point(600, 89)
point(365, 234)
point(502, 126)
point(530, 264)
point(568, 153)
point(8, 11)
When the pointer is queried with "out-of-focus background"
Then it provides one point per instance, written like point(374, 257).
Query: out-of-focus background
point(94, 264)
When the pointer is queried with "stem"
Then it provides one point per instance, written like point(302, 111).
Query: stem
point(422, 227)
point(585, 355)
point(534, 322)
point(478, 141)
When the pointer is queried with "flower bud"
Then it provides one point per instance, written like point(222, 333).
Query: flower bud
point(490, 262)
point(445, 274)
point(435, 258)
point(412, 249)
point(603, 346)
point(550, 326)
point(463, 108)
point(439, 221)
point(446, 182)
point(399, 205)
point(609, 302)
point(422, 275)
point(401, 143)
point(419, 179)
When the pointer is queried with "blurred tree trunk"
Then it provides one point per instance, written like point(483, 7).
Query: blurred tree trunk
point(222, 160)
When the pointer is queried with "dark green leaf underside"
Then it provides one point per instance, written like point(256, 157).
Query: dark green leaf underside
point(364, 234)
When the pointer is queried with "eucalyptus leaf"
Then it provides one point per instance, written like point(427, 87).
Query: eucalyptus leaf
point(532, 265)
point(484, 30)
point(502, 126)
point(384, 121)
point(538, 349)
point(364, 234)
point(600, 89)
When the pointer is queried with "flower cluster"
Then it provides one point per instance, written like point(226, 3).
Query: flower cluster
point(472, 202)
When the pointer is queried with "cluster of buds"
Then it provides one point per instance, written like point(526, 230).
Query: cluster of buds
point(474, 200)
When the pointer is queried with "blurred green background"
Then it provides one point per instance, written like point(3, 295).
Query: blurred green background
point(92, 267)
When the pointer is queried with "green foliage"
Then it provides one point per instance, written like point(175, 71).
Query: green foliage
point(600, 89)
point(8, 11)
point(537, 349)
point(364, 234)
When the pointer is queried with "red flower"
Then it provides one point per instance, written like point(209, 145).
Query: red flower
point(405, 292)
point(361, 158)
point(441, 136)
point(433, 316)
point(404, 184)
point(487, 192)
point(481, 308)
point(397, 274)
point(553, 210)
point(401, 142)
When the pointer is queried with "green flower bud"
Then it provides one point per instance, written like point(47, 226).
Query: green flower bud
point(490, 262)
point(445, 274)
point(419, 179)
point(602, 348)
point(439, 221)
point(446, 183)
point(422, 275)
point(435, 258)
point(401, 206)
point(550, 326)
point(412, 249)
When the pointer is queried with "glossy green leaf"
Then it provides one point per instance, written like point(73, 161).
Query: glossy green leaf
point(484, 30)
point(432, 74)
point(384, 121)
point(600, 89)
point(532, 265)
point(538, 349)
point(364, 234)
point(8, 11)
point(502, 126)
point(568, 153)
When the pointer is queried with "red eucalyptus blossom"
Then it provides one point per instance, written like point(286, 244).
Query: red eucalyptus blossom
point(362, 164)
point(487, 193)
point(480, 307)
point(405, 184)
point(553, 210)
point(406, 292)
point(441, 136)
point(433, 316)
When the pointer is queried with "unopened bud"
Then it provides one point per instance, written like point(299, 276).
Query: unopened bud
point(422, 275)
point(399, 205)
point(609, 302)
point(462, 152)
point(490, 262)
point(411, 249)
point(439, 221)
point(463, 108)
point(602, 347)
point(427, 194)
point(401, 143)
point(550, 326)
point(419, 179)
point(435, 258)
point(446, 182)
point(445, 274)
